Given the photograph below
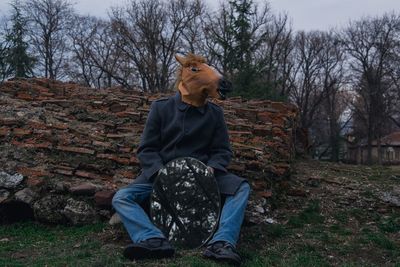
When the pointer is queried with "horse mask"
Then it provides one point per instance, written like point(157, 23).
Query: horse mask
point(196, 81)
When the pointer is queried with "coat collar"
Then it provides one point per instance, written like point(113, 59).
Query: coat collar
point(182, 106)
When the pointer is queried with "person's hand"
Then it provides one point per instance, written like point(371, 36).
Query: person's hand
point(211, 169)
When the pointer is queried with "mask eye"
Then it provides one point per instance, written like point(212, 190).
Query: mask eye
point(194, 69)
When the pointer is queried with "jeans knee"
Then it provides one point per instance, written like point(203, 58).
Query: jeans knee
point(115, 199)
point(245, 188)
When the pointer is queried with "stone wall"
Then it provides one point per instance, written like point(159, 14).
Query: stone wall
point(65, 149)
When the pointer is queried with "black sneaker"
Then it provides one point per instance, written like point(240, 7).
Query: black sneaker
point(152, 248)
point(222, 251)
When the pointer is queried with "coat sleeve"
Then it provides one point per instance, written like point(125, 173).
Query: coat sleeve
point(220, 151)
point(150, 144)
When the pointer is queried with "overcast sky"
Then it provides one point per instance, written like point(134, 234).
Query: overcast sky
point(304, 14)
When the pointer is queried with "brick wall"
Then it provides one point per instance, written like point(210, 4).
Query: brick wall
point(61, 135)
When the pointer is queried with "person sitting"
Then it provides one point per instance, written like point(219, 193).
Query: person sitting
point(185, 125)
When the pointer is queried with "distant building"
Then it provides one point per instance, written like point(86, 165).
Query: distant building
point(390, 145)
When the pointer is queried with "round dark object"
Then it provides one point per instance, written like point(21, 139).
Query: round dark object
point(185, 203)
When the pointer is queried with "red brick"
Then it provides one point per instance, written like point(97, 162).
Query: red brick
point(297, 192)
point(102, 144)
point(125, 174)
point(111, 135)
point(32, 172)
point(250, 114)
point(134, 160)
point(240, 133)
point(91, 175)
point(80, 150)
point(43, 132)
point(4, 131)
point(265, 194)
point(264, 116)
point(30, 144)
point(86, 174)
point(21, 131)
point(125, 149)
point(37, 125)
point(60, 126)
point(117, 107)
point(24, 96)
point(35, 181)
point(104, 198)
point(262, 130)
point(8, 121)
point(129, 114)
point(64, 172)
point(83, 189)
point(114, 158)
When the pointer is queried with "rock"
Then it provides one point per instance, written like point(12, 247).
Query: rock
point(25, 195)
point(60, 187)
point(391, 197)
point(270, 220)
point(265, 194)
point(79, 212)
point(314, 182)
point(104, 213)
point(115, 219)
point(297, 192)
point(10, 181)
point(259, 209)
point(104, 198)
point(86, 189)
point(50, 209)
point(3, 195)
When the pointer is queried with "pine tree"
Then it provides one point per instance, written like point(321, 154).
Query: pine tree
point(242, 49)
point(4, 68)
point(20, 62)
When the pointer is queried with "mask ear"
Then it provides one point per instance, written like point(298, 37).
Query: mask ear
point(180, 59)
point(183, 89)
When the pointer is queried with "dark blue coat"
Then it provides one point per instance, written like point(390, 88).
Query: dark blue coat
point(175, 129)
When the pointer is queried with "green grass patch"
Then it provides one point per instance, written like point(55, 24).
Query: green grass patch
point(390, 225)
point(378, 239)
point(276, 231)
point(310, 215)
point(342, 216)
point(340, 230)
point(308, 259)
point(34, 244)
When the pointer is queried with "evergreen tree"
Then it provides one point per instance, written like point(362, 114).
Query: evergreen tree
point(239, 42)
point(4, 68)
point(19, 61)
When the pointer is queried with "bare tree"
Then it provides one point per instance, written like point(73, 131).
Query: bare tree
point(49, 22)
point(82, 37)
point(4, 46)
point(193, 38)
point(306, 84)
point(149, 35)
point(274, 56)
point(333, 81)
point(371, 43)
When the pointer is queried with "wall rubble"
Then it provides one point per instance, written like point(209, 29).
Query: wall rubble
point(79, 144)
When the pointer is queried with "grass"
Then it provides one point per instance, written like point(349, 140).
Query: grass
point(313, 231)
point(310, 215)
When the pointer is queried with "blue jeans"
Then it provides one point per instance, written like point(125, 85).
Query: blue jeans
point(139, 227)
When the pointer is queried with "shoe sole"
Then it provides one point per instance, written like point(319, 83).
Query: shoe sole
point(138, 253)
point(210, 255)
